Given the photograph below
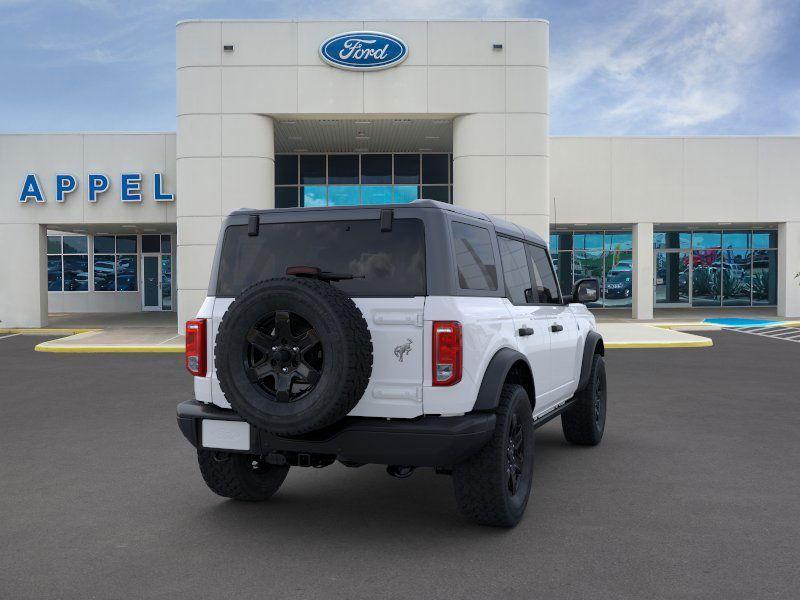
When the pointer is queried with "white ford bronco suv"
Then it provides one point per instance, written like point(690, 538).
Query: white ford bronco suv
point(413, 335)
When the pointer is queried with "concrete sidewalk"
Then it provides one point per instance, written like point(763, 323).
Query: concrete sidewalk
point(129, 339)
point(640, 335)
point(104, 332)
point(157, 333)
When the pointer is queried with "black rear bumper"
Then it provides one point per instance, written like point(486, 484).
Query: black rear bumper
point(429, 441)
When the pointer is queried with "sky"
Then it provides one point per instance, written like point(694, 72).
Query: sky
point(668, 67)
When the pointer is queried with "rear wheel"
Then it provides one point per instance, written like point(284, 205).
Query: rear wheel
point(492, 487)
point(584, 422)
point(240, 476)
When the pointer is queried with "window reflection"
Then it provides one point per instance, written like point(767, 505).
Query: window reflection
point(765, 277)
point(618, 283)
point(343, 195)
point(736, 277)
point(76, 273)
point(706, 277)
point(361, 179)
point(672, 278)
point(314, 195)
point(405, 193)
point(54, 277)
point(104, 272)
point(376, 194)
point(741, 273)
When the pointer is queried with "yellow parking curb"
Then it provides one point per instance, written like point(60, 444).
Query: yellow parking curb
point(704, 343)
point(46, 331)
point(44, 347)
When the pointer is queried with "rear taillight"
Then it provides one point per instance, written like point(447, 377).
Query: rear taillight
point(446, 352)
point(196, 347)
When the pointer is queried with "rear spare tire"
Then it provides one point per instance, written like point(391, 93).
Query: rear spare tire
point(293, 355)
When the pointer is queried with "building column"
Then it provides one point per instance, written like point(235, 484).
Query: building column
point(501, 167)
point(788, 269)
point(225, 162)
point(642, 276)
point(23, 271)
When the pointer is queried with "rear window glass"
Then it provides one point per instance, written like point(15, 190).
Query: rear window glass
point(474, 257)
point(387, 263)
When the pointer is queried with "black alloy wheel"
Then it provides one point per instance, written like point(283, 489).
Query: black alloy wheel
point(515, 454)
point(283, 356)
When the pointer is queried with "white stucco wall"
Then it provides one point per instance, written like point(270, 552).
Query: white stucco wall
point(227, 100)
point(675, 180)
point(683, 181)
point(23, 298)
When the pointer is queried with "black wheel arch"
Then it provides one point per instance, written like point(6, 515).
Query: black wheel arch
point(593, 345)
point(506, 366)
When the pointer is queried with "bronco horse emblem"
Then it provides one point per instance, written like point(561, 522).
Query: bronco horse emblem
point(403, 349)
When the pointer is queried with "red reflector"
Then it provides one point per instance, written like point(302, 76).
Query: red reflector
point(447, 352)
point(196, 347)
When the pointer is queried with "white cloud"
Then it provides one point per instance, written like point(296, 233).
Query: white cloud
point(670, 68)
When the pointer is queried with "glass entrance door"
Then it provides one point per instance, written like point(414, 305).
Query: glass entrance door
point(151, 276)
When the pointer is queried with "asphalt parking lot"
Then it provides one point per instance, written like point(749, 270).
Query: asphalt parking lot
point(694, 493)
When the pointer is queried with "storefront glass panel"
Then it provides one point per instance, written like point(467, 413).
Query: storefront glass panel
point(765, 277)
point(672, 278)
point(736, 277)
point(376, 194)
point(343, 195)
point(76, 273)
point(724, 268)
point(312, 169)
point(104, 273)
point(314, 195)
point(166, 282)
point(353, 179)
point(343, 169)
point(405, 193)
point(706, 277)
point(54, 276)
point(618, 282)
point(126, 273)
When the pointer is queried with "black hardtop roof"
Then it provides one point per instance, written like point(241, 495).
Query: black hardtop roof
point(500, 225)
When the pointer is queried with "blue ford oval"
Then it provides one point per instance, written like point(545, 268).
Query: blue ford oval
point(363, 50)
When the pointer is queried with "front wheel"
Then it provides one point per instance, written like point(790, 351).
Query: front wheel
point(240, 476)
point(492, 487)
point(583, 423)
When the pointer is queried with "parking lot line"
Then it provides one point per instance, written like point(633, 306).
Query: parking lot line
point(790, 334)
point(2, 337)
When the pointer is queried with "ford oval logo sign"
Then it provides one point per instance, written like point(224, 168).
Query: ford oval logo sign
point(363, 50)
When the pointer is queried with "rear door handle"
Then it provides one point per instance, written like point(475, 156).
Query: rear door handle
point(556, 327)
point(523, 331)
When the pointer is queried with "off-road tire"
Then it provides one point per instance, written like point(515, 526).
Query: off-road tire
point(583, 423)
point(233, 475)
point(481, 482)
point(347, 353)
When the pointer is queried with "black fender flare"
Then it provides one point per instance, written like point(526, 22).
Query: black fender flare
point(593, 345)
point(495, 376)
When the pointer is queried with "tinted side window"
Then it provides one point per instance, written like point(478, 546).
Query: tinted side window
point(474, 257)
point(515, 271)
point(384, 263)
point(546, 285)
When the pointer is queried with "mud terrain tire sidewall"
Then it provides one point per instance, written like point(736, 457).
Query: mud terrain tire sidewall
point(346, 346)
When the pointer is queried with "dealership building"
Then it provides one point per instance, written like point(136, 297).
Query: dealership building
point(274, 114)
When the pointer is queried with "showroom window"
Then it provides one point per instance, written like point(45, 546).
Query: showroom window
point(607, 255)
point(716, 267)
point(361, 179)
point(67, 263)
point(115, 263)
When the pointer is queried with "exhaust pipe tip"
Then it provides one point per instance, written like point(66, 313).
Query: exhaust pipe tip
point(400, 471)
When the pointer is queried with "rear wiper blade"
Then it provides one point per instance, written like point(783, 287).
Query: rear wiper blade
point(317, 273)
